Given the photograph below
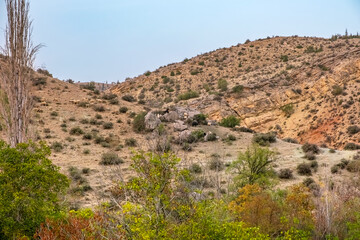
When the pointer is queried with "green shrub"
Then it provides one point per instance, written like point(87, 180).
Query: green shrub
point(86, 151)
point(54, 114)
point(211, 137)
point(285, 173)
point(109, 96)
point(288, 109)
point(114, 101)
point(264, 139)
point(291, 140)
point(310, 156)
point(195, 168)
point(334, 169)
point(353, 166)
point(188, 95)
point(312, 148)
point(216, 164)
point(200, 118)
point(30, 187)
point(238, 89)
point(351, 146)
point(284, 58)
point(222, 84)
point(353, 129)
point(57, 146)
point(123, 109)
point(87, 136)
point(128, 98)
point(99, 108)
point(108, 125)
point(230, 121)
point(41, 81)
point(76, 131)
point(130, 142)
point(110, 158)
point(308, 181)
point(139, 122)
point(253, 166)
point(304, 169)
point(337, 90)
point(196, 135)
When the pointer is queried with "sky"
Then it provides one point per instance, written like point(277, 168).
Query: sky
point(110, 40)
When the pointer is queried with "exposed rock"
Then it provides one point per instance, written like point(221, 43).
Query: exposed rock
point(184, 135)
point(179, 126)
point(171, 116)
point(151, 121)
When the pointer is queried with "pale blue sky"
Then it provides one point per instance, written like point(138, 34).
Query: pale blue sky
point(109, 40)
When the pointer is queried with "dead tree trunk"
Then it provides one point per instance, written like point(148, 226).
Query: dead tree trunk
point(15, 73)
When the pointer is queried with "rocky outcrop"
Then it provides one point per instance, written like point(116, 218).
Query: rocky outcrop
point(152, 121)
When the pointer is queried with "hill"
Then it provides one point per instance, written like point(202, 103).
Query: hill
point(299, 88)
point(302, 88)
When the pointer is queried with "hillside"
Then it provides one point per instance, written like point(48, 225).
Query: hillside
point(302, 88)
point(84, 126)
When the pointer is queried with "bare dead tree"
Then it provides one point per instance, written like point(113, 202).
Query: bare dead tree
point(15, 73)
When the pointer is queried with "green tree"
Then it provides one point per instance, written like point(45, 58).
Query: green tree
point(29, 188)
point(253, 165)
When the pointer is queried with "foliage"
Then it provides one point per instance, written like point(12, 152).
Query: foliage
point(188, 95)
point(128, 98)
point(254, 165)
point(288, 109)
point(353, 129)
point(212, 220)
point(230, 121)
point(110, 158)
point(284, 58)
point(139, 122)
point(351, 146)
point(222, 84)
point(285, 173)
point(337, 90)
point(83, 224)
point(76, 131)
point(200, 118)
point(29, 188)
point(123, 109)
point(238, 89)
point(290, 214)
point(264, 139)
point(310, 148)
point(150, 193)
point(304, 169)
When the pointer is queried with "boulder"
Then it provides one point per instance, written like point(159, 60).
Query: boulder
point(184, 135)
point(180, 126)
point(151, 121)
point(171, 116)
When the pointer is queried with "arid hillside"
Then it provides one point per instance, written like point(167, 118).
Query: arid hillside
point(302, 88)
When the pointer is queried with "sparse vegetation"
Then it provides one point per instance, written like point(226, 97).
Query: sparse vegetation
point(230, 121)
point(110, 158)
point(139, 122)
point(76, 131)
point(188, 95)
point(264, 139)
